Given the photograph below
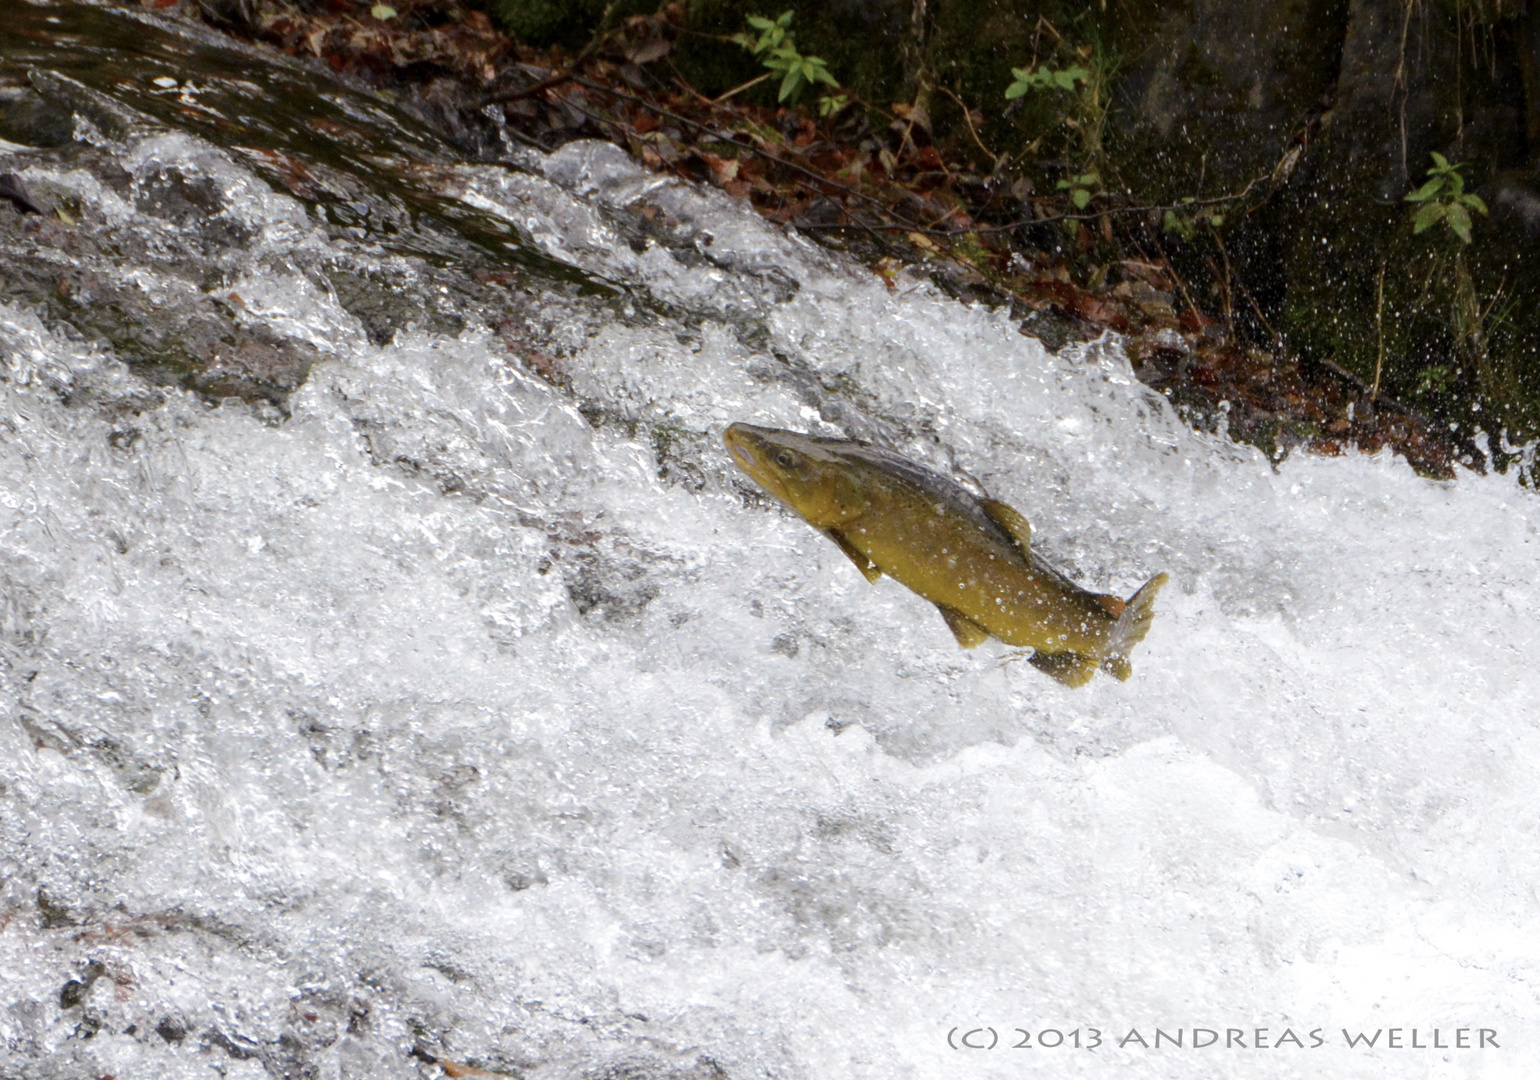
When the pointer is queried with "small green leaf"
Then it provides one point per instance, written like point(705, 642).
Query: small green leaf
point(759, 22)
point(1080, 197)
point(815, 70)
point(1189, 198)
point(383, 12)
point(1216, 220)
point(790, 84)
point(1433, 378)
point(1428, 216)
point(1459, 220)
point(1475, 203)
point(1065, 80)
point(1015, 90)
point(784, 20)
point(1441, 161)
point(831, 104)
point(1427, 191)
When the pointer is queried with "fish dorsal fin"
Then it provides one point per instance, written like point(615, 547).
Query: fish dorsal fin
point(1112, 605)
point(1010, 519)
point(863, 564)
point(968, 633)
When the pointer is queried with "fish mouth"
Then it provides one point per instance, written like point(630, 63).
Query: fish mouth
point(740, 440)
point(741, 454)
point(747, 447)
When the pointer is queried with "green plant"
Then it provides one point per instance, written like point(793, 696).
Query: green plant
point(777, 50)
point(1080, 92)
point(1080, 188)
point(1186, 223)
point(771, 34)
point(1444, 198)
point(832, 104)
point(1043, 77)
point(1436, 379)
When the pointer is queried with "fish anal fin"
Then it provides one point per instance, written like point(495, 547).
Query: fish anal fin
point(863, 564)
point(1070, 668)
point(1118, 667)
point(968, 633)
point(1011, 520)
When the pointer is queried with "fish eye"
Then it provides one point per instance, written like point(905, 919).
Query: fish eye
point(785, 459)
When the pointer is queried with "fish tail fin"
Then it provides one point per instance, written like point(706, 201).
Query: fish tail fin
point(1133, 623)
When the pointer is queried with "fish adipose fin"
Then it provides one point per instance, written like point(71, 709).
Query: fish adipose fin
point(1071, 669)
point(968, 633)
point(1131, 627)
point(1112, 605)
point(863, 564)
point(1010, 519)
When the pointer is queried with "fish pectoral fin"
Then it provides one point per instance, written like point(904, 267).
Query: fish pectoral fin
point(1010, 519)
point(968, 633)
point(863, 564)
point(1071, 669)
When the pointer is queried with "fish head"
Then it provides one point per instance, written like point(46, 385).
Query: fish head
point(807, 474)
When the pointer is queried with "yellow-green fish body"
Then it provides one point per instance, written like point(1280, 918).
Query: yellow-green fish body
point(971, 557)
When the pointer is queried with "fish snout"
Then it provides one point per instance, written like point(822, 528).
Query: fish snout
point(747, 446)
point(735, 439)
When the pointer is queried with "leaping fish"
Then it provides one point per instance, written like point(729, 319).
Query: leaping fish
point(970, 557)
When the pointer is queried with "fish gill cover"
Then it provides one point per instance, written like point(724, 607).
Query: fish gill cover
point(447, 697)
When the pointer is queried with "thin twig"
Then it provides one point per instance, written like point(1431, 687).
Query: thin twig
point(776, 158)
point(1379, 327)
point(679, 79)
point(1175, 277)
point(557, 79)
point(1098, 214)
point(527, 140)
point(968, 118)
point(1261, 316)
point(1229, 297)
point(1053, 218)
point(751, 83)
point(530, 91)
point(1362, 387)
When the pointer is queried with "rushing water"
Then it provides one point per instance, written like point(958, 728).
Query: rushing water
point(425, 682)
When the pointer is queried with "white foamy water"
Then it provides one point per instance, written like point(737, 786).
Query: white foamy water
point(499, 719)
